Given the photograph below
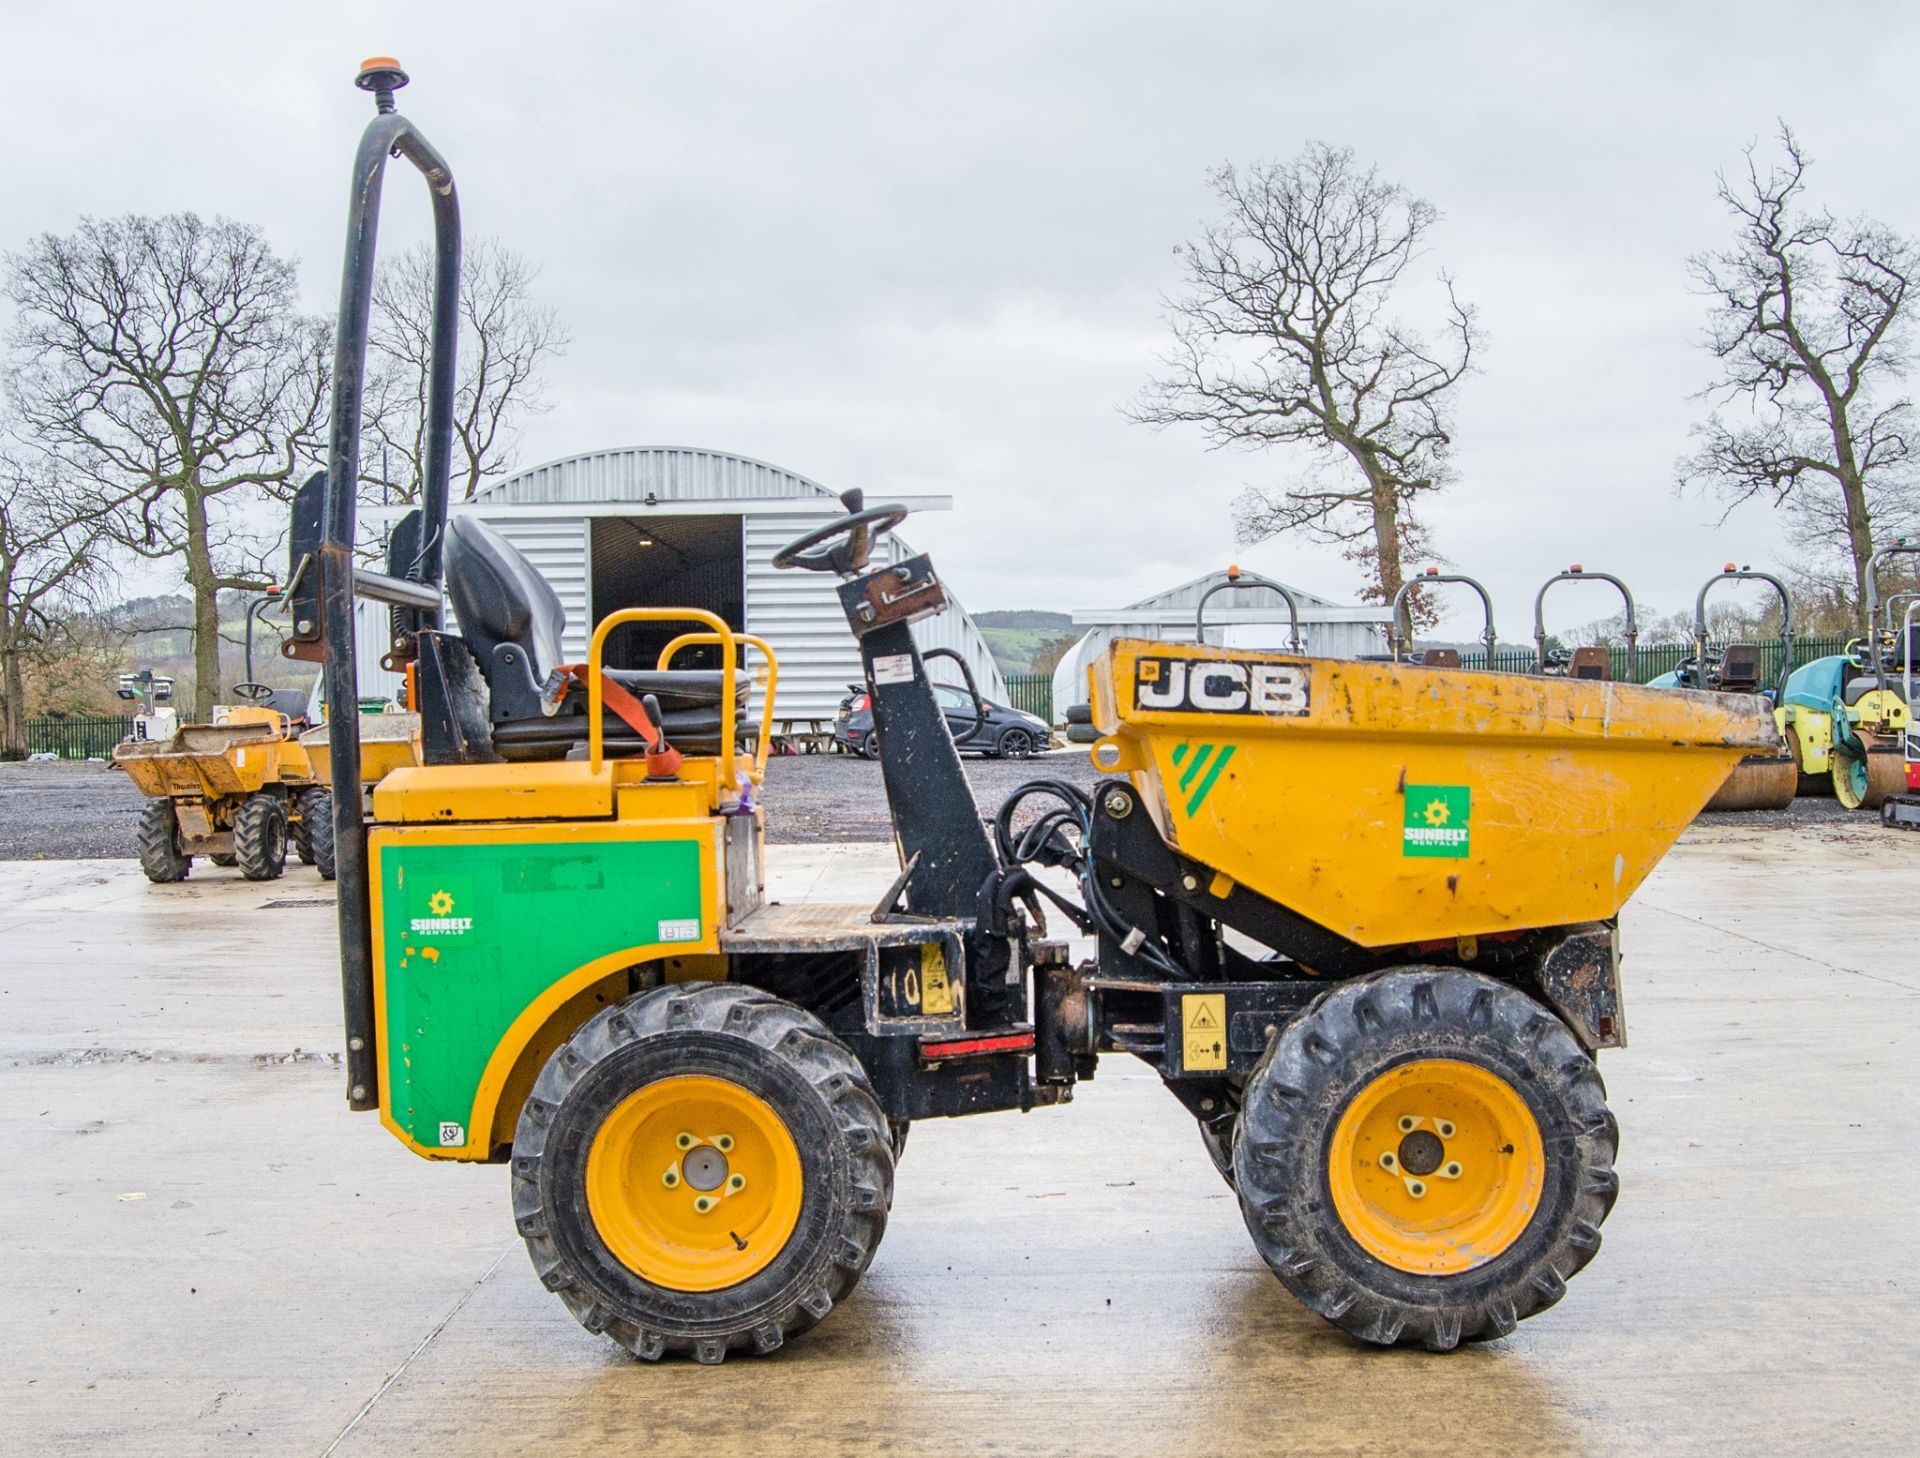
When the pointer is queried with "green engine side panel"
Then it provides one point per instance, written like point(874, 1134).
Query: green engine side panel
point(471, 934)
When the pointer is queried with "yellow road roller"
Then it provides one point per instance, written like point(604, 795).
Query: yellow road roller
point(1360, 918)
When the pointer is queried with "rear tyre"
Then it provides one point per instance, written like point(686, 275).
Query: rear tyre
point(224, 858)
point(870, 746)
point(158, 839)
point(316, 814)
point(260, 838)
point(1426, 1156)
point(702, 1169)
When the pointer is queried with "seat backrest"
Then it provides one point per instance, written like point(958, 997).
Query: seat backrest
point(1590, 662)
point(1740, 668)
point(499, 597)
point(1440, 658)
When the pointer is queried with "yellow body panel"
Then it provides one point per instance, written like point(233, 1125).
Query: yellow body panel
point(557, 789)
point(248, 749)
point(1568, 791)
point(387, 742)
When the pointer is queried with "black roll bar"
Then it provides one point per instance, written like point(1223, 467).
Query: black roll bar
point(1402, 644)
point(1238, 579)
point(388, 135)
point(1730, 573)
point(1577, 573)
point(1901, 547)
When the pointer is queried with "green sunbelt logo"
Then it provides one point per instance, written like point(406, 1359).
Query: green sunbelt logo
point(1199, 766)
point(1439, 821)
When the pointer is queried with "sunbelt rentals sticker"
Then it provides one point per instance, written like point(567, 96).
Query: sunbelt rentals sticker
point(1439, 822)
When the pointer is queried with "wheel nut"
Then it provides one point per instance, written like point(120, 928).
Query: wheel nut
point(736, 1183)
point(683, 1141)
point(671, 1179)
point(1387, 1161)
point(723, 1142)
point(1407, 1123)
point(704, 1203)
point(1453, 1170)
point(1416, 1188)
point(1445, 1128)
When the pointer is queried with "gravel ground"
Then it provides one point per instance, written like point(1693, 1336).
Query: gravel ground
point(72, 811)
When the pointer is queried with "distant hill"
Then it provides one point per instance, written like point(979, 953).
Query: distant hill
point(1024, 618)
point(1025, 640)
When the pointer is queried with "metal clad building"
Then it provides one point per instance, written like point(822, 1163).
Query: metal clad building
point(1251, 617)
point(675, 527)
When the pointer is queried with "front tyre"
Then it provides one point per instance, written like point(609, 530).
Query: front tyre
point(158, 841)
point(702, 1169)
point(1426, 1155)
point(1014, 743)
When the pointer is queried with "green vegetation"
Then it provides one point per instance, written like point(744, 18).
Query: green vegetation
point(1026, 640)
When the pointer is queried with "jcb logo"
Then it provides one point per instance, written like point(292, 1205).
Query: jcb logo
point(1213, 686)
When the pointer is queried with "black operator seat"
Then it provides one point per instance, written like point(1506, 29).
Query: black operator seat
point(513, 624)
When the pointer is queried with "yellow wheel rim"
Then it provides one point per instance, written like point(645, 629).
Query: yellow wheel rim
point(1436, 1167)
point(694, 1183)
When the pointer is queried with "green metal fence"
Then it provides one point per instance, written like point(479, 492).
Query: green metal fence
point(1658, 658)
point(74, 736)
point(1032, 692)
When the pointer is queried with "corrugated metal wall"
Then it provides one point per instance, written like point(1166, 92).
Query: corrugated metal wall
point(800, 616)
point(798, 613)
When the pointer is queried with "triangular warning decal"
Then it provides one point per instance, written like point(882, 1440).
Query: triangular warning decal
point(1203, 1018)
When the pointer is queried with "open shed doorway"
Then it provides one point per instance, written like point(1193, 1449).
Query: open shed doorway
point(667, 561)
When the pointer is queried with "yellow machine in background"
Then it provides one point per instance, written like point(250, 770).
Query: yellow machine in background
point(234, 791)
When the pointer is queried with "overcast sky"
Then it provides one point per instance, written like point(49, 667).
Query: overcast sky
point(921, 249)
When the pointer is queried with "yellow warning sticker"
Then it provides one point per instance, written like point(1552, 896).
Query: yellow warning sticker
point(936, 990)
point(1203, 1031)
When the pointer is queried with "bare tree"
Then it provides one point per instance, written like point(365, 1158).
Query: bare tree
point(1809, 327)
point(52, 549)
point(1282, 335)
point(505, 340)
point(164, 360)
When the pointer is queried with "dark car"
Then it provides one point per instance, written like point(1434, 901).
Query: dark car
point(1006, 733)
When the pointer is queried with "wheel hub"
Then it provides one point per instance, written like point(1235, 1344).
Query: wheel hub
point(694, 1183)
point(1436, 1166)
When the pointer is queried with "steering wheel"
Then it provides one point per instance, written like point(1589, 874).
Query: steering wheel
point(862, 528)
point(253, 693)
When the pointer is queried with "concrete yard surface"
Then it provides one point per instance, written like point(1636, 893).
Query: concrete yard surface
point(205, 1253)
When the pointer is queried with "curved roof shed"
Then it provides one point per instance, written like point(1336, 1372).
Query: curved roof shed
point(674, 526)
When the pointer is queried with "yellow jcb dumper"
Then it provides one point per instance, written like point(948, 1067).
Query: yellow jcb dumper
point(1359, 917)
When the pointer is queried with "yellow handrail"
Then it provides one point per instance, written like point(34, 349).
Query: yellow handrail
point(729, 662)
point(772, 664)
